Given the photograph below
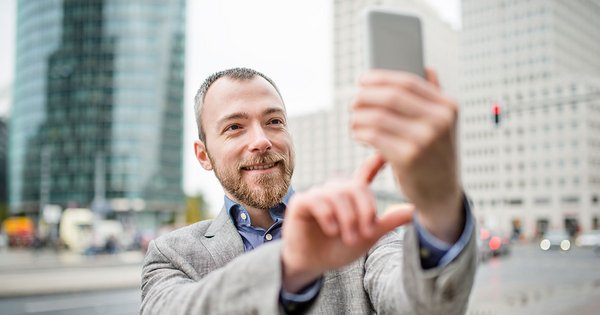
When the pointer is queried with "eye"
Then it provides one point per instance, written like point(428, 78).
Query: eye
point(276, 121)
point(233, 127)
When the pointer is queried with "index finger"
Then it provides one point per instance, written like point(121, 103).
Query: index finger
point(423, 87)
point(432, 77)
point(369, 168)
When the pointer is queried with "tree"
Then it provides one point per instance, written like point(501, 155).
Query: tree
point(196, 209)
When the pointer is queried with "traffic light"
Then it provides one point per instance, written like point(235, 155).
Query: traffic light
point(496, 111)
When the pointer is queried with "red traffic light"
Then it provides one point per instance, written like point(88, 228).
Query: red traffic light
point(496, 109)
point(496, 113)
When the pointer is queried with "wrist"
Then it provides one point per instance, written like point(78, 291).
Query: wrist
point(444, 220)
point(296, 274)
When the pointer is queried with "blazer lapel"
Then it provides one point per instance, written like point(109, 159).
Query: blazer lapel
point(223, 240)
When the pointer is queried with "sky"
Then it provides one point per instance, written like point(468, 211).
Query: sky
point(291, 41)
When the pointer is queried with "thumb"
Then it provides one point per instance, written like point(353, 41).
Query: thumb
point(394, 217)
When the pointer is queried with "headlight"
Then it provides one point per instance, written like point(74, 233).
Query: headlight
point(545, 244)
point(565, 245)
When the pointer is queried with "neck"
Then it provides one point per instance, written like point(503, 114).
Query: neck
point(260, 217)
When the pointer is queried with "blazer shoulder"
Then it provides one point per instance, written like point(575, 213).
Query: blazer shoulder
point(185, 234)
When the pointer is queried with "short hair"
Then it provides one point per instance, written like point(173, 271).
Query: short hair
point(240, 74)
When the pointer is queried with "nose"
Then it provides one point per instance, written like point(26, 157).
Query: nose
point(259, 142)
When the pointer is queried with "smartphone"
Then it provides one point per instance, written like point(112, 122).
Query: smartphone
point(394, 40)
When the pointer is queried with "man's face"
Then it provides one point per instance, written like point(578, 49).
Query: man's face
point(247, 142)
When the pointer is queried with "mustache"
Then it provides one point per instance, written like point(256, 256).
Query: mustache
point(265, 158)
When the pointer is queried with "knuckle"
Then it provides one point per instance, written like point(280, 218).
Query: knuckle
point(354, 121)
point(445, 119)
point(368, 136)
point(411, 153)
point(380, 118)
point(427, 138)
point(411, 82)
point(454, 109)
point(355, 188)
point(389, 97)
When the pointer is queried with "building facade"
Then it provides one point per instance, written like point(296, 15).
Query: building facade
point(97, 105)
point(324, 147)
point(3, 164)
point(538, 168)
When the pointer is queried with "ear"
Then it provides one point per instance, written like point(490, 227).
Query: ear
point(202, 155)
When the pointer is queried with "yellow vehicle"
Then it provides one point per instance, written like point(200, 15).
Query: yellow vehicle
point(20, 231)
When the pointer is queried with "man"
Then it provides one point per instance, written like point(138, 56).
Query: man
point(335, 255)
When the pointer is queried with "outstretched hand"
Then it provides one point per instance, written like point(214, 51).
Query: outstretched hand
point(330, 226)
point(413, 125)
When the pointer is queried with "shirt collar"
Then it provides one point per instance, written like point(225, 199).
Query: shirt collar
point(240, 215)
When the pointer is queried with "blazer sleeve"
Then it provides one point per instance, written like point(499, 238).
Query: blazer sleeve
point(397, 284)
point(248, 284)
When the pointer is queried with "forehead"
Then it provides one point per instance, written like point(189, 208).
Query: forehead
point(227, 96)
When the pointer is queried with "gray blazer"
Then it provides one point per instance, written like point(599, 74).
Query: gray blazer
point(202, 269)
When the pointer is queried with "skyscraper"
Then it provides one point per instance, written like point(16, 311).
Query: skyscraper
point(97, 105)
point(538, 168)
point(3, 165)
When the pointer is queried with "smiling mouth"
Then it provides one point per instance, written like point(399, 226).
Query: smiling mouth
point(259, 167)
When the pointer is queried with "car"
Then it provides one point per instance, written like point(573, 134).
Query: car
point(492, 244)
point(555, 239)
point(590, 239)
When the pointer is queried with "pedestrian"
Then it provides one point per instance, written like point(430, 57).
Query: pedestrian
point(323, 251)
point(110, 246)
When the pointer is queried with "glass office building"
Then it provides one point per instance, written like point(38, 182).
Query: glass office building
point(3, 168)
point(97, 109)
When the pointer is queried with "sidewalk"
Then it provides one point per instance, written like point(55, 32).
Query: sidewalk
point(27, 273)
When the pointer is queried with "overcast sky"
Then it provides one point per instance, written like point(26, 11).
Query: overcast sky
point(291, 41)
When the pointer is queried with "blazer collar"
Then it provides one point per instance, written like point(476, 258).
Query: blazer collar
point(221, 225)
point(222, 239)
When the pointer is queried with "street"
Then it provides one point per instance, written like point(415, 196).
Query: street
point(113, 302)
point(528, 281)
point(531, 281)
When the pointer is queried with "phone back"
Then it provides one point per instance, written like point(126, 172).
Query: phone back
point(394, 41)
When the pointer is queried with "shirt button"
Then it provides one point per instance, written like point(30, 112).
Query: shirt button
point(244, 216)
point(268, 237)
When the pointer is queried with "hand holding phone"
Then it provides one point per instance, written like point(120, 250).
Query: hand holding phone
point(394, 41)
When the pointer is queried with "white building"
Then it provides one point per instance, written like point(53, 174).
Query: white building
point(5, 99)
point(324, 148)
point(540, 61)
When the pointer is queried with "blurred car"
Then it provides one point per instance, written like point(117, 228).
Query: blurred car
point(492, 244)
point(589, 239)
point(556, 239)
point(19, 230)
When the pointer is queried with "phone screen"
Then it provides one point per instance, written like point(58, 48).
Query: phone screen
point(394, 41)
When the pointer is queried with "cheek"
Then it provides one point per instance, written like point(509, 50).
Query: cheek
point(229, 154)
point(284, 143)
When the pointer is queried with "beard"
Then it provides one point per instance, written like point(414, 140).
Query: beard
point(271, 188)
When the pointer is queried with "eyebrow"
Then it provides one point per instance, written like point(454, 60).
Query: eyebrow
point(233, 116)
point(244, 115)
point(273, 110)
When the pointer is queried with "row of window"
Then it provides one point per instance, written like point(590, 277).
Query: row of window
point(535, 201)
point(522, 184)
point(521, 166)
point(489, 83)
